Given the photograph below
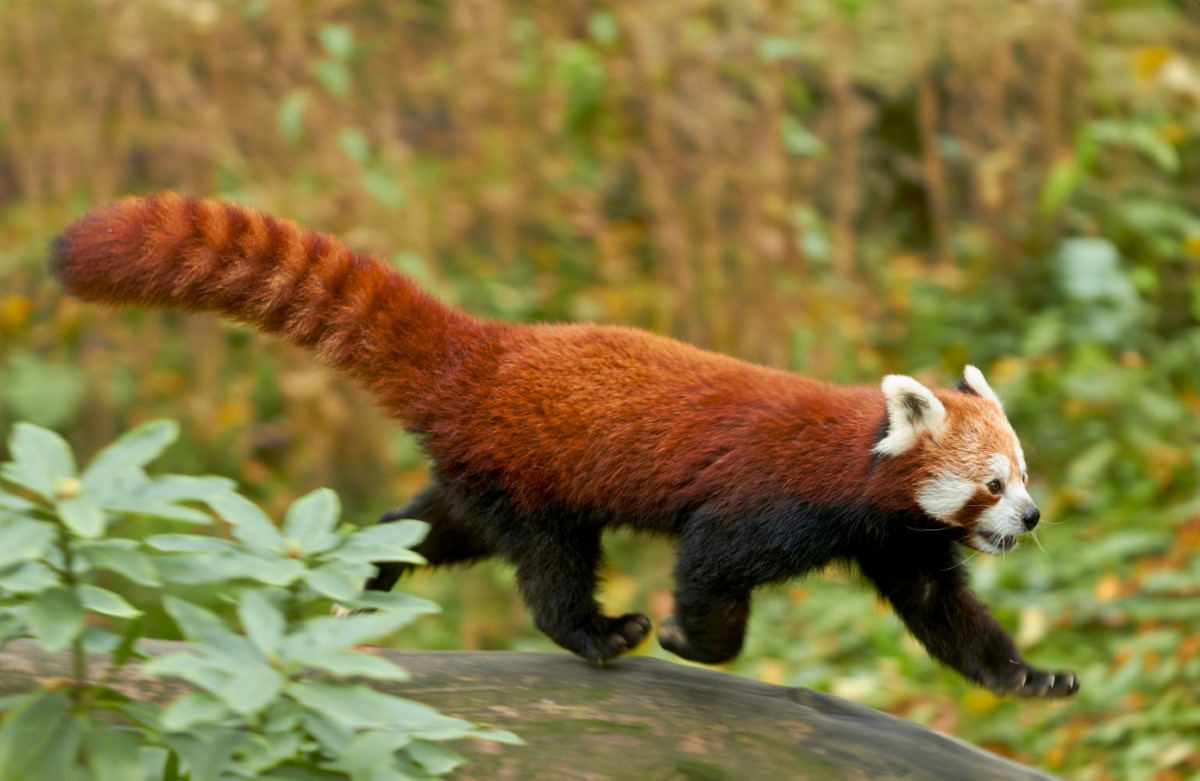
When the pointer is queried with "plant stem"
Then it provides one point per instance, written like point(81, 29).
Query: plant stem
point(78, 656)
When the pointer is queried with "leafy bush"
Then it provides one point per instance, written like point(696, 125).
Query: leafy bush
point(257, 711)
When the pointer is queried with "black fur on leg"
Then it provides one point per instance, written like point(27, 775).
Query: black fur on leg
point(452, 538)
point(928, 588)
point(556, 572)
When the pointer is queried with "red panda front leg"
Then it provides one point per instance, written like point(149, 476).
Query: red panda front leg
point(927, 587)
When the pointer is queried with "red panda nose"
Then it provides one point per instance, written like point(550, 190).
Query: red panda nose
point(1031, 517)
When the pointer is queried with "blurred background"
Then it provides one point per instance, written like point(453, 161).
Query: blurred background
point(844, 188)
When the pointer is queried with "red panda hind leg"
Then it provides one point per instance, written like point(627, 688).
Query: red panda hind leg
point(452, 537)
point(557, 559)
point(557, 575)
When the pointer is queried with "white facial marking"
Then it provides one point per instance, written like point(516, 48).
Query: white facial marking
point(1004, 520)
point(945, 495)
point(1001, 467)
point(912, 409)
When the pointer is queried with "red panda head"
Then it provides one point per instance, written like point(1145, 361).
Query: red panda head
point(971, 468)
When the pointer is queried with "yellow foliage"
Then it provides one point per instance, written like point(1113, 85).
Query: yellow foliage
point(1109, 587)
point(980, 702)
point(1149, 60)
point(15, 311)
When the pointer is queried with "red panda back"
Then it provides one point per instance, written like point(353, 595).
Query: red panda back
point(623, 421)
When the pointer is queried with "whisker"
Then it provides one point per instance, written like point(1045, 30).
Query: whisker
point(961, 563)
point(1039, 544)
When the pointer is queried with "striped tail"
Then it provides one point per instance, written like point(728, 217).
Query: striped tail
point(172, 252)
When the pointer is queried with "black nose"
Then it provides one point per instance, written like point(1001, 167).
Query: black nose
point(1032, 516)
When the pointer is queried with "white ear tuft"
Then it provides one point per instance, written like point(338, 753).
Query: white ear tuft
point(912, 409)
point(975, 381)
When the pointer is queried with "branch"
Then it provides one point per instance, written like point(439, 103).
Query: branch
point(638, 718)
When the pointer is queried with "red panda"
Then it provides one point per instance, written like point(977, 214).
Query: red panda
point(541, 436)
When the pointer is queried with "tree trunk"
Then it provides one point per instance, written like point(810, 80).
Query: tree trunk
point(637, 718)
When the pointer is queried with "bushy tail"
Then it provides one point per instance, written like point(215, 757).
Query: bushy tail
point(169, 251)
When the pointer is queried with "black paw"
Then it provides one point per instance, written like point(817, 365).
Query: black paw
point(1028, 682)
point(672, 638)
point(631, 629)
point(613, 637)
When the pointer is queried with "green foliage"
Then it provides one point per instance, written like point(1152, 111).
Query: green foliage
point(840, 188)
point(257, 712)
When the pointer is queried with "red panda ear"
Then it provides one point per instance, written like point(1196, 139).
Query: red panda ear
point(912, 409)
point(973, 379)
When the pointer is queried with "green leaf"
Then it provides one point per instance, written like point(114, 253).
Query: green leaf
point(251, 688)
point(191, 709)
point(337, 40)
point(290, 119)
point(217, 568)
point(194, 622)
point(400, 534)
point(363, 707)
point(112, 753)
point(241, 680)
point(1062, 181)
point(311, 519)
point(97, 640)
point(355, 144)
point(132, 450)
point(262, 622)
point(14, 503)
point(603, 28)
point(205, 753)
point(367, 553)
point(436, 759)
point(101, 600)
point(24, 540)
point(56, 618)
point(154, 508)
point(337, 580)
point(122, 557)
point(28, 730)
point(393, 602)
point(333, 75)
point(779, 48)
point(82, 517)
point(30, 578)
point(11, 624)
point(366, 754)
point(192, 543)
point(40, 459)
point(250, 524)
point(327, 632)
point(383, 187)
point(186, 488)
point(351, 704)
point(799, 141)
point(333, 735)
point(359, 664)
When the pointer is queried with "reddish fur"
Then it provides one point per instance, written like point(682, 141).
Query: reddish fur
point(592, 417)
point(173, 252)
point(543, 434)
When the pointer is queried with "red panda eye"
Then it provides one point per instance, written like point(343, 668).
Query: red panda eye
point(995, 486)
